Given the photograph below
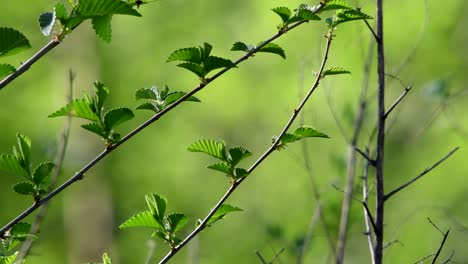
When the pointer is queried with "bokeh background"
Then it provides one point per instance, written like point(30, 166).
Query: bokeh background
point(246, 107)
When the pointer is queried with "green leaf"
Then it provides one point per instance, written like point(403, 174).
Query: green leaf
point(241, 46)
point(222, 211)
point(157, 205)
point(24, 147)
point(117, 116)
point(25, 188)
point(334, 70)
point(79, 108)
point(46, 22)
point(213, 63)
point(101, 92)
point(142, 219)
point(288, 138)
point(186, 54)
point(236, 154)
point(273, 48)
point(6, 69)
point(214, 148)
point(139, 2)
point(12, 41)
point(147, 93)
point(195, 68)
point(336, 4)
point(349, 15)
point(161, 234)
point(175, 221)
point(106, 259)
point(148, 106)
point(304, 12)
point(61, 13)
point(102, 27)
point(20, 229)
point(222, 167)
point(95, 128)
point(41, 174)
point(174, 96)
point(240, 173)
point(104, 7)
point(205, 51)
point(11, 165)
point(307, 131)
point(283, 12)
point(8, 259)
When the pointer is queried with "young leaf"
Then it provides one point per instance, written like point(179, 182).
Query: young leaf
point(195, 68)
point(149, 106)
point(142, 219)
point(283, 12)
point(222, 167)
point(213, 63)
point(6, 69)
point(104, 7)
point(304, 12)
point(95, 128)
point(137, 3)
point(42, 173)
point(46, 22)
point(79, 108)
point(101, 92)
point(20, 230)
point(8, 259)
point(241, 46)
point(12, 41)
point(175, 221)
point(307, 131)
point(288, 138)
point(24, 147)
point(334, 70)
point(214, 148)
point(236, 154)
point(106, 259)
point(11, 165)
point(25, 188)
point(349, 15)
point(186, 54)
point(61, 13)
point(222, 211)
point(240, 173)
point(336, 4)
point(273, 48)
point(117, 116)
point(157, 205)
point(174, 96)
point(102, 27)
point(147, 93)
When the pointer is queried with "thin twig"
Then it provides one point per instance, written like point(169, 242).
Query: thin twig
point(260, 257)
point(277, 255)
point(80, 174)
point(351, 163)
point(365, 156)
point(272, 148)
point(26, 65)
point(371, 30)
point(390, 194)
point(445, 235)
point(379, 161)
point(365, 198)
point(449, 259)
point(60, 156)
point(397, 101)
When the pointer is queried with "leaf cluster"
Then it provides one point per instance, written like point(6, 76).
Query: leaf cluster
point(159, 99)
point(17, 234)
point(229, 159)
point(19, 163)
point(302, 13)
point(199, 61)
point(92, 108)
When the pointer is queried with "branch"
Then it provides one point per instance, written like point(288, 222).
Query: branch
point(445, 235)
point(260, 257)
point(272, 148)
point(390, 194)
point(365, 156)
point(63, 143)
point(80, 174)
point(379, 161)
point(367, 219)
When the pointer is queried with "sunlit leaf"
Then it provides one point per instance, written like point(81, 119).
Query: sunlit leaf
point(8, 259)
point(142, 219)
point(102, 27)
point(236, 154)
point(334, 70)
point(95, 128)
point(346, 15)
point(221, 212)
point(222, 167)
point(6, 69)
point(42, 173)
point(79, 108)
point(175, 221)
point(157, 205)
point(117, 116)
point(307, 131)
point(283, 12)
point(12, 41)
point(61, 13)
point(336, 4)
point(195, 68)
point(104, 7)
point(24, 147)
point(214, 148)
point(273, 48)
point(186, 54)
point(11, 165)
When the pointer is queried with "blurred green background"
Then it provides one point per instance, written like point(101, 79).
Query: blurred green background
point(246, 107)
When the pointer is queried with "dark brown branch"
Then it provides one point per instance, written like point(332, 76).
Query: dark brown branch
point(26, 65)
point(371, 30)
point(390, 194)
point(365, 156)
point(267, 153)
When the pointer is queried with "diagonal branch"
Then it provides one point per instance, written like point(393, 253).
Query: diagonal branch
point(390, 194)
point(267, 153)
point(80, 174)
point(445, 235)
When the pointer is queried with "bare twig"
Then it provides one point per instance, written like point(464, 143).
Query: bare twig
point(63, 143)
point(398, 100)
point(449, 259)
point(367, 221)
point(445, 235)
point(79, 175)
point(277, 255)
point(379, 166)
point(390, 194)
point(371, 30)
point(260, 257)
point(351, 162)
point(365, 156)
point(267, 153)
point(26, 65)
